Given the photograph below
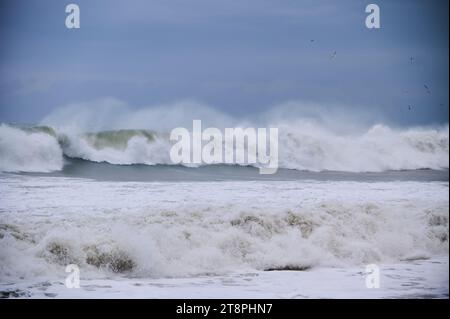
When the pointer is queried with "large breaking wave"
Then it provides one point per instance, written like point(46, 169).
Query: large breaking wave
point(303, 147)
point(311, 137)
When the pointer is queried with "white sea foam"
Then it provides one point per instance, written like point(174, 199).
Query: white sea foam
point(183, 229)
point(380, 148)
point(407, 279)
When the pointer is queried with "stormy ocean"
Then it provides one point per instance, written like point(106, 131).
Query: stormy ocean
point(111, 202)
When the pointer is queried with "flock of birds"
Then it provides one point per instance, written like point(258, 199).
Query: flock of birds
point(427, 89)
point(411, 59)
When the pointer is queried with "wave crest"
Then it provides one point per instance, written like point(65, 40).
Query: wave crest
point(302, 146)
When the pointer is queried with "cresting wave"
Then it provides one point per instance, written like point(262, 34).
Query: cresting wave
point(303, 147)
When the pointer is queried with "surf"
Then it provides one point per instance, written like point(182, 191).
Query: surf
point(147, 230)
point(303, 146)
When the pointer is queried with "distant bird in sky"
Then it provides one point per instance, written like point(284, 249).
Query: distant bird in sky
point(427, 88)
point(409, 107)
point(412, 60)
point(333, 55)
point(312, 40)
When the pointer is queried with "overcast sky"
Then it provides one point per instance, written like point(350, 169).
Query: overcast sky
point(239, 57)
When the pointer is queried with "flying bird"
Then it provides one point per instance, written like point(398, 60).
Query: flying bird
point(333, 55)
point(412, 60)
point(427, 88)
point(409, 107)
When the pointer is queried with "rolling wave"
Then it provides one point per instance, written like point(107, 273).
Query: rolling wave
point(301, 147)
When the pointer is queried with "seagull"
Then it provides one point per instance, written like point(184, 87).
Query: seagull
point(333, 55)
point(427, 88)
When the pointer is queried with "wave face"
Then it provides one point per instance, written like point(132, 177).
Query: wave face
point(146, 229)
point(302, 146)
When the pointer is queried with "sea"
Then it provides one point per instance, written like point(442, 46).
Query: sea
point(344, 217)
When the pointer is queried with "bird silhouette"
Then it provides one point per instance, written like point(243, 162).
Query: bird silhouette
point(333, 55)
point(427, 88)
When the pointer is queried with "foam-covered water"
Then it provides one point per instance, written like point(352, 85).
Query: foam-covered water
point(154, 230)
point(425, 278)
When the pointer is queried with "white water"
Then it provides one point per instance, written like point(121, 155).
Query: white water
point(153, 230)
point(311, 137)
point(303, 146)
point(412, 279)
point(28, 152)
